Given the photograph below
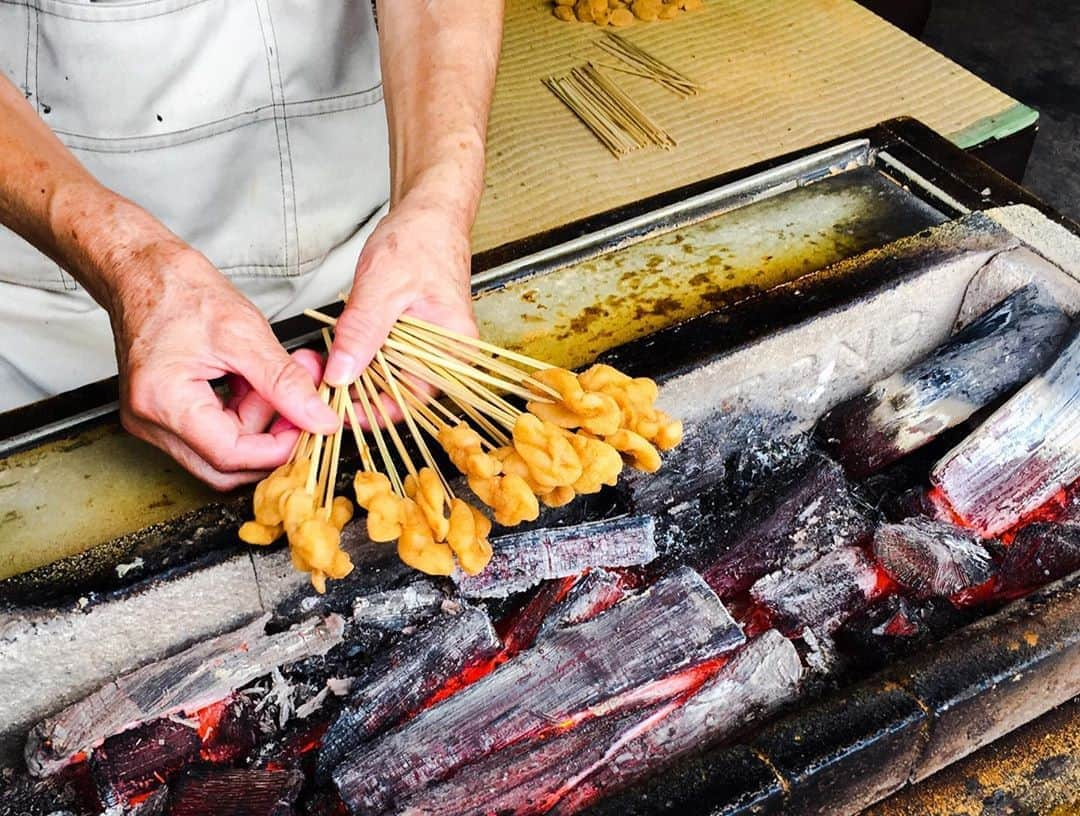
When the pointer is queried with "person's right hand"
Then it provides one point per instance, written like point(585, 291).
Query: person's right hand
point(178, 324)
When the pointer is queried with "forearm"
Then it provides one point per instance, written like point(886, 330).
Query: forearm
point(52, 201)
point(439, 59)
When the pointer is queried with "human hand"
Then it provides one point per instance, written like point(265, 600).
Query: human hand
point(178, 324)
point(416, 262)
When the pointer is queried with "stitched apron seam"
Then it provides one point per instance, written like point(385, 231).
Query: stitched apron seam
point(140, 144)
point(104, 14)
point(307, 107)
point(288, 144)
point(277, 129)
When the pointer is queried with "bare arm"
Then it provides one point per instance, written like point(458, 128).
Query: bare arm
point(439, 59)
point(177, 321)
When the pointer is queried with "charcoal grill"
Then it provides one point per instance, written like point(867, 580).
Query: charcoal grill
point(781, 350)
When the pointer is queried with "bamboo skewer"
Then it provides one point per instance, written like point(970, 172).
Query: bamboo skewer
point(421, 444)
point(649, 66)
point(450, 363)
point(391, 429)
point(452, 388)
point(475, 342)
point(380, 442)
point(504, 370)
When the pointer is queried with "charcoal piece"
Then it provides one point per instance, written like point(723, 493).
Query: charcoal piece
point(523, 779)
point(522, 560)
point(401, 679)
point(1000, 351)
point(1040, 553)
point(593, 593)
point(759, 679)
point(395, 609)
point(821, 595)
point(815, 514)
point(187, 682)
point(738, 451)
point(572, 769)
point(1019, 458)
point(135, 762)
point(615, 661)
point(894, 626)
point(26, 796)
point(230, 730)
point(928, 557)
point(520, 630)
point(234, 792)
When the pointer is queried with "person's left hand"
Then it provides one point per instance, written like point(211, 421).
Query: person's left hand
point(416, 262)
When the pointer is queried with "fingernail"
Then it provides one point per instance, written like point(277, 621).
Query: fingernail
point(321, 414)
point(340, 369)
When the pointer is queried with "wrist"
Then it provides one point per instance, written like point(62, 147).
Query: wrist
point(450, 181)
point(103, 238)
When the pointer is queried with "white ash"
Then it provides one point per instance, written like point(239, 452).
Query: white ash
point(340, 686)
point(124, 569)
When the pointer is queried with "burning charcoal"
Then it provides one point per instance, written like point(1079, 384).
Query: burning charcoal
point(592, 594)
point(523, 779)
point(610, 753)
point(1019, 458)
point(928, 557)
point(893, 626)
point(138, 761)
point(229, 730)
point(395, 609)
point(204, 674)
point(523, 560)
point(820, 596)
point(234, 792)
point(1040, 553)
point(520, 629)
point(814, 515)
point(618, 659)
point(1003, 349)
point(761, 677)
point(401, 679)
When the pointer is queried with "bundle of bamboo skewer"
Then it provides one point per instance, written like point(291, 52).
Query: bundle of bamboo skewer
point(571, 438)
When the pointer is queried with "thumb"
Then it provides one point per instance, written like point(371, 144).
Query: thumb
point(361, 330)
point(288, 386)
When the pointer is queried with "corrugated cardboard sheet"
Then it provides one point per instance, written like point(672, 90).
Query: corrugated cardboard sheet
point(780, 75)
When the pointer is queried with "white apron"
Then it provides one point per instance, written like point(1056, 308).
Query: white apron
point(254, 129)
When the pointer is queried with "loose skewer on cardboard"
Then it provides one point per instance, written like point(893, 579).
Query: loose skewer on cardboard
point(571, 439)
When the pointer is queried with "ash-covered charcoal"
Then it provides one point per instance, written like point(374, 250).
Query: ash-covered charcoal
point(893, 626)
point(234, 792)
point(135, 762)
point(206, 673)
point(615, 661)
point(759, 679)
point(1040, 553)
point(821, 595)
point(402, 678)
point(524, 779)
point(738, 451)
point(571, 769)
point(1000, 351)
point(23, 795)
point(1019, 458)
point(928, 557)
point(815, 514)
point(593, 593)
point(395, 609)
point(522, 560)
